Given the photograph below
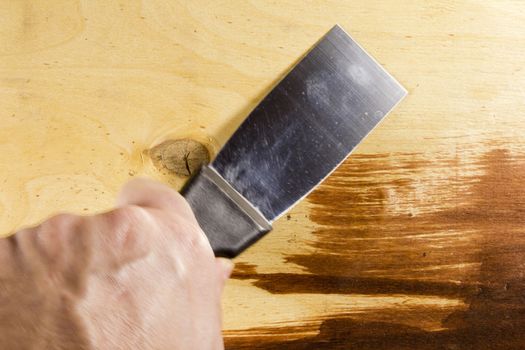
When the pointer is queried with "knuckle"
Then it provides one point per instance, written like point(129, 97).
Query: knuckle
point(123, 227)
point(51, 246)
point(56, 232)
point(193, 238)
point(125, 218)
point(60, 222)
point(126, 214)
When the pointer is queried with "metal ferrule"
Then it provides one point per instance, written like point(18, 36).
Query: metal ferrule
point(229, 221)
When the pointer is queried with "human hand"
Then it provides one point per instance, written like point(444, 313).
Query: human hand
point(142, 276)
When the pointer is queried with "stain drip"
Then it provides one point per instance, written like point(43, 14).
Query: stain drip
point(182, 157)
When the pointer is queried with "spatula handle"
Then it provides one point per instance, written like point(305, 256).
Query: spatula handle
point(226, 217)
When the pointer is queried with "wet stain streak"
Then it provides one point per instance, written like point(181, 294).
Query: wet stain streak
point(447, 226)
point(289, 283)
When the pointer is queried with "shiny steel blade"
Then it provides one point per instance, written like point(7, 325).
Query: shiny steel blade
point(307, 125)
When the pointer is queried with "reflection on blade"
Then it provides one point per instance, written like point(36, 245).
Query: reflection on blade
point(308, 124)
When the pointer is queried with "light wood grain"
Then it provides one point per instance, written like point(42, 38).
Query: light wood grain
point(416, 242)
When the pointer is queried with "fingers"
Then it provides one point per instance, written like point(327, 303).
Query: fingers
point(71, 245)
point(151, 194)
point(46, 246)
point(53, 235)
point(50, 252)
point(177, 215)
point(122, 235)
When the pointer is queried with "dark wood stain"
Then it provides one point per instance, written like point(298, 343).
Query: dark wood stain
point(289, 283)
point(403, 224)
point(243, 269)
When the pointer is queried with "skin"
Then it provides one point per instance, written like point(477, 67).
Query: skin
point(142, 276)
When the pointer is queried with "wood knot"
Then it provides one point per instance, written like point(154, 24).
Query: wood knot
point(182, 157)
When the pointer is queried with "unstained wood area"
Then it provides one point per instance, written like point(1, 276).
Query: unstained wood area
point(416, 242)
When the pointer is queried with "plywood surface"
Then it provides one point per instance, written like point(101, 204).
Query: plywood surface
point(416, 242)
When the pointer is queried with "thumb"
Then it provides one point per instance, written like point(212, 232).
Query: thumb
point(224, 268)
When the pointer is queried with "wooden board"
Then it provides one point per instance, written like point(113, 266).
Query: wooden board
point(416, 242)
